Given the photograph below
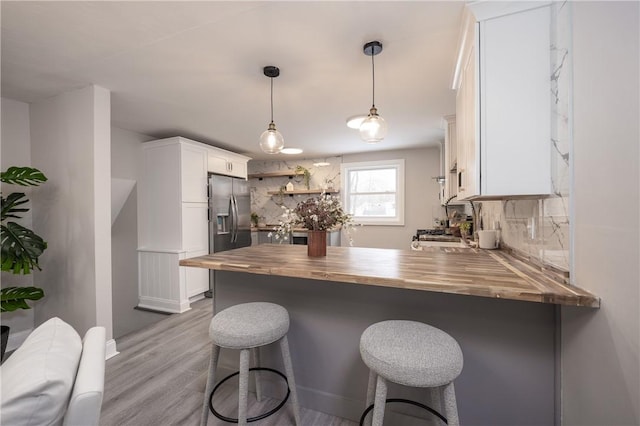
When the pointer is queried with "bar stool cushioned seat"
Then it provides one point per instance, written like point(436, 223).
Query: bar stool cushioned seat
point(249, 325)
point(414, 354)
point(246, 327)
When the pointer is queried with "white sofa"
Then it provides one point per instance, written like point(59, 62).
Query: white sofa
point(54, 378)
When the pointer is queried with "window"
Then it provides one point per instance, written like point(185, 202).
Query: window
point(373, 192)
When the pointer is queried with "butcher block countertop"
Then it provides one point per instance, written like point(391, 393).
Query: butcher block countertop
point(473, 272)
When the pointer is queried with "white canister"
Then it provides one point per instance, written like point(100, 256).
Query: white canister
point(488, 239)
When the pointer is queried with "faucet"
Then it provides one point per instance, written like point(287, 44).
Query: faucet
point(446, 206)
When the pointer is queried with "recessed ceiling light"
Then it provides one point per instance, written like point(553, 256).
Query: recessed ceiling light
point(355, 121)
point(291, 151)
point(321, 164)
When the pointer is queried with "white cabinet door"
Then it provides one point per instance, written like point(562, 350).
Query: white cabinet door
point(217, 164)
point(238, 168)
point(504, 108)
point(450, 187)
point(227, 164)
point(466, 124)
point(194, 173)
point(515, 104)
point(195, 227)
point(196, 279)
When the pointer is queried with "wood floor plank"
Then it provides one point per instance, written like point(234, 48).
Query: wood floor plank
point(159, 377)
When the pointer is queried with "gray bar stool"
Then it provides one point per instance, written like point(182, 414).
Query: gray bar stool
point(414, 354)
point(246, 327)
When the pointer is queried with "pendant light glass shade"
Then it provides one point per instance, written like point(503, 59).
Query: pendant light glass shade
point(271, 140)
point(373, 129)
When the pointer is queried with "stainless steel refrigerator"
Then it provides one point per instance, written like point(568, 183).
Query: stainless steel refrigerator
point(229, 215)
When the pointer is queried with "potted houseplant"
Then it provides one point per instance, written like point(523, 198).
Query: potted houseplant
point(21, 247)
point(254, 219)
point(465, 228)
point(306, 175)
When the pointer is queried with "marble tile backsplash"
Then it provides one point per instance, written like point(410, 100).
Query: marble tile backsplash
point(270, 206)
point(540, 228)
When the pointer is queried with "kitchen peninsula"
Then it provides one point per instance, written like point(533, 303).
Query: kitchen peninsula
point(501, 310)
point(472, 272)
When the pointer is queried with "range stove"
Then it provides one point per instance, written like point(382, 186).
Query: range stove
point(429, 232)
point(434, 238)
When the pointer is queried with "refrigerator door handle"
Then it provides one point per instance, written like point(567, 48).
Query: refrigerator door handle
point(230, 225)
point(235, 219)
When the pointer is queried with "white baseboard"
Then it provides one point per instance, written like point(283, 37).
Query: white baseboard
point(111, 349)
point(197, 297)
point(163, 305)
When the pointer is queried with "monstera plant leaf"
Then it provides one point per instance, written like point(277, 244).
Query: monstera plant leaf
point(10, 205)
point(21, 248)
point(12, 298)
point(24, 176)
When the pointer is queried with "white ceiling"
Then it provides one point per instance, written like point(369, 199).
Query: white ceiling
point(194, 69)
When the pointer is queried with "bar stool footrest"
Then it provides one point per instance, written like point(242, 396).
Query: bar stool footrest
point(404, 401)
point(251, 419)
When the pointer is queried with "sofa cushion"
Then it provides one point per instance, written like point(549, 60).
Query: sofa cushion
point(38, 377)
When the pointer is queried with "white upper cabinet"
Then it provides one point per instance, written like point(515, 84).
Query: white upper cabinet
point(504, 102)
point(227, 163)
point(450, 159)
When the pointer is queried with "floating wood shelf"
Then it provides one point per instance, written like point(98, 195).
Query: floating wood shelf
point(288, 173)
point(304, 191)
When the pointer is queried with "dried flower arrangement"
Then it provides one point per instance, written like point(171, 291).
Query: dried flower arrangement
point(315, 214)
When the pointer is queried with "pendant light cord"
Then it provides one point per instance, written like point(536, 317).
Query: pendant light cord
point(373, 79)
point(271, 99)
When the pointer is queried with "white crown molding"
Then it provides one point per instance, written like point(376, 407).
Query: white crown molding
point(488, 9)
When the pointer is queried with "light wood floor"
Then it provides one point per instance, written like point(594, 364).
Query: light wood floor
point(159, 378)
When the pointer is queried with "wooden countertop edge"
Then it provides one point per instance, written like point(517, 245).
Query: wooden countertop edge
point(577, 297)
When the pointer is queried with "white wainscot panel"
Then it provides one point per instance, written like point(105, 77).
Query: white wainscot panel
point(162, 283)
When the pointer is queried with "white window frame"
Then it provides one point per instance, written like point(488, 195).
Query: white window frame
point(398, 165)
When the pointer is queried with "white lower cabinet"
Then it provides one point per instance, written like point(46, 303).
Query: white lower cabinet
point(196, 279)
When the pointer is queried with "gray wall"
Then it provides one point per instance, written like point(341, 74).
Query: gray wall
point(600, 348)
point(421, 197)
point(126, 160)
point(16, 151)
point(70, 142)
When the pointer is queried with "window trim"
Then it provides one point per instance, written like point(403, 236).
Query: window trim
point(398, 164)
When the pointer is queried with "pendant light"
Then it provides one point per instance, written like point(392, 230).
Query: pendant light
point(271, 140)
point(373, 129)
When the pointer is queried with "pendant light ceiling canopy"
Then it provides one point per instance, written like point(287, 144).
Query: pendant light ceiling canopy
point(271, 140)
point(373, 129)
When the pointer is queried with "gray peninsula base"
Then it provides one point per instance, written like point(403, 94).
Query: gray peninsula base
point(509, 346)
